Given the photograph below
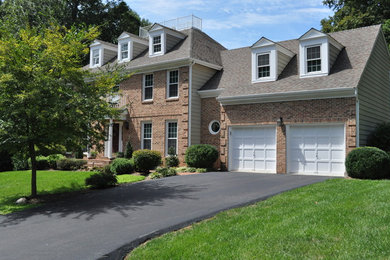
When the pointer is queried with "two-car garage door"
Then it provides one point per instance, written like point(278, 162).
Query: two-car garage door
point(311, 149)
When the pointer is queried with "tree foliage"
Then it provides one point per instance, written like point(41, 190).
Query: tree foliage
point(351, 14)
point(45, 99)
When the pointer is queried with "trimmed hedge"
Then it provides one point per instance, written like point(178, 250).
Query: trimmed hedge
point(70, 164)
point(53, 158)
point(368, 163)
point(101, 180)
point(201, 156)
point(146, 160)
point(172, 161)
point(121, 166)
point(380, 137)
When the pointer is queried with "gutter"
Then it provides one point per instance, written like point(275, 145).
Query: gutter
point(288, 96)
point(190, 102)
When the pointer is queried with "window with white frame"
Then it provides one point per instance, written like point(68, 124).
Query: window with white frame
point(95, 57)
point(313, 59)
point(171, 137)
point(147, 136)
point(148, 87)
point(157, 44)
point(263, 66)
point(124, 51)
point(173, 84)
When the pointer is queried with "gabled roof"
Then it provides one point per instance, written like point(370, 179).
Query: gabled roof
point(314, 33)
point(157, 26)
point(130, 35)
point(264, 42)
point(98, 42)
point(235, 78)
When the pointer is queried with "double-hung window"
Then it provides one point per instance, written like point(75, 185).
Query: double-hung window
point(95, 57)
point(147, 136)
point(173, 84)
point(313, 59)
point(124, 51)
point(171, 137)
point(148, 87)
point(263, 66)
point(157, 44)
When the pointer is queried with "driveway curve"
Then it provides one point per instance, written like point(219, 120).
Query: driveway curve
point(108, 223)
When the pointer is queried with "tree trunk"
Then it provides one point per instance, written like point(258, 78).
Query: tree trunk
point(31, 149)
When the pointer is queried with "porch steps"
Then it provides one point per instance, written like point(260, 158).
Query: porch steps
point(99, 162)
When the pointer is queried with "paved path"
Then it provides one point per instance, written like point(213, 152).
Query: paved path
point(106, 223)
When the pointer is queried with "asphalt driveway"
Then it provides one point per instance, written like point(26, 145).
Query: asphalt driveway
point(107, 223)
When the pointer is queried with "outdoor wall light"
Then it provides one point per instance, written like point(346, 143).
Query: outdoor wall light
point(279, 122)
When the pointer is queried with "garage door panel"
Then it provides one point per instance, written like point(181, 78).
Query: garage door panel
point(253, 149)
point(316, 149)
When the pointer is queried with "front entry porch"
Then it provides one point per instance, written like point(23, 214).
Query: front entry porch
point(114, 143)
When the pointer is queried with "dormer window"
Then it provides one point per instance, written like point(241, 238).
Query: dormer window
point(157, 44)
point(263, 66)
point(313, 59)
point(96, 57)
point(125, 51)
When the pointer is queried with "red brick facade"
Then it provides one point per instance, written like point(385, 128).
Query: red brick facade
point(292, 112)
point(158, 111)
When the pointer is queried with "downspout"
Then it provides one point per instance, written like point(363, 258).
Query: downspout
point(190, 102)
point(357, 118)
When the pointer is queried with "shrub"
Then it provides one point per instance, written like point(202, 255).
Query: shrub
point(5, 161)
point(171, 161)
point(368, 163)
point(101, 180)
point(53, 158)
point(181, 169)
point(121, 166)
point(42, 163)
point(70, 164)
point(146, 160)
point(78, 154)
point(155, 175)
point(20, 161)
point(166, 172)
point(128, 150)
point(93, 154)
point(120, 155)
point(201, 170)
point(380, 137)
point(201, 156)
point(190, 169)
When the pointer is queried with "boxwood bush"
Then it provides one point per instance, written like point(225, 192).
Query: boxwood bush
point(201, 156)
point(368, 163)
point(101, 180)
point(172, 161)
point(121, 166)
point(146, 160)
point(380, 137)
point(70, 164)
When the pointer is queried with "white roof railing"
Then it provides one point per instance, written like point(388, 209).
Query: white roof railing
point(179, 24)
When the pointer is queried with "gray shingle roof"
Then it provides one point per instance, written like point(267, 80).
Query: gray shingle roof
point(196, 44)
point(235, 78)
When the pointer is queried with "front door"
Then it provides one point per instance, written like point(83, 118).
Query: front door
point(115, 138)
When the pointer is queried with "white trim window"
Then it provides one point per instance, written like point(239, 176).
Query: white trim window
point(171, 136)
point(313, 59)
point(157, 44)
point(263, 65)
point(95, 57)
point(146, 136)
point(173, 84)
point(148, 87)
point(125, 51)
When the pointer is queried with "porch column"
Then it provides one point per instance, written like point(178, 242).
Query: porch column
point(110, 134)
point(120, 137)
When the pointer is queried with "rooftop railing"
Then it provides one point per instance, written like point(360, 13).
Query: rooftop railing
point(179, 24)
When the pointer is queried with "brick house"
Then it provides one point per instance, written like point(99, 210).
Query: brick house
point(296, 106)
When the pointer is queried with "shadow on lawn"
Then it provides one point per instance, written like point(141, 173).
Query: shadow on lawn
point(87, 204)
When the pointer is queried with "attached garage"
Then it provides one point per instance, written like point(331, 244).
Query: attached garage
point(252, 149)
point(316, 149)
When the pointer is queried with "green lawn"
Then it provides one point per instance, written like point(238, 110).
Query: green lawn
point(16, 184)
point(336, 219)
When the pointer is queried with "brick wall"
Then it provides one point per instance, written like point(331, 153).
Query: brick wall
point(157, 111)
point(308, 111)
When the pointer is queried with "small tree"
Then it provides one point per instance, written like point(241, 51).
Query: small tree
point(45, 99)
point(128, 150)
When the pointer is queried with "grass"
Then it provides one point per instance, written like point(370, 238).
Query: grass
point(336, 219)
point(16, 184)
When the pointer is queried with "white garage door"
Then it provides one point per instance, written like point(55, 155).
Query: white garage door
point(316, 150)
point(253, 149)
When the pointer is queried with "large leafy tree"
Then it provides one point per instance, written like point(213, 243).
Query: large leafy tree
point(351, 14)
point(46, 99)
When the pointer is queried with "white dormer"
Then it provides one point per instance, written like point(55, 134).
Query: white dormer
point(101, 52)
point(317, 53)
point(162, 39)
point(268, 60)
point(130, 46)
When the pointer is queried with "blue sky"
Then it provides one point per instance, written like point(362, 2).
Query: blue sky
point(239, 23)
